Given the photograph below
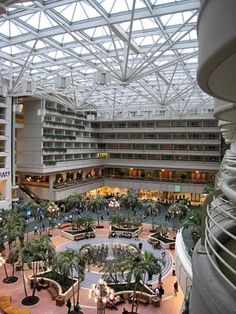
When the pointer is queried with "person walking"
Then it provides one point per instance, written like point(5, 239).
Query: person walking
point(125, 311)
point(68, 304)
point(161, 291)
point(176, 286)
point(173, 269)
point(35, 230)
point(78, 308)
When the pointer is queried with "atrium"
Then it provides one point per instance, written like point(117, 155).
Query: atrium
point(104, 97)
point(144, 53)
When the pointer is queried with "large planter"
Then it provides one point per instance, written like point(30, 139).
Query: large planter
point(165, 243)
point(76, 235)
point(53, 284)
point(133, 231)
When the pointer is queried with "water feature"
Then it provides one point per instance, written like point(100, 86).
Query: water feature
point(110, 256)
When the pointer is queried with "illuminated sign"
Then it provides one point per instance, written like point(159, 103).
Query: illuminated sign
point(4, 174)
point(177, 188)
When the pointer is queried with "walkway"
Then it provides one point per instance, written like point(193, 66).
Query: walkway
point(169, 305)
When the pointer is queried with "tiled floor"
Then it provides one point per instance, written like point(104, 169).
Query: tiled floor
point(169, 305)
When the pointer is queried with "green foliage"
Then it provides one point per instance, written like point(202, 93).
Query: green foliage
point(65, 282)
point(194, 220)
point(119, 222)
point(136, 267)
point(74, 200)
point(125, 228)
point(98, 204)
point(162, 238)
point(118, 219)
point(130, 199)
point(151, 208)
point(38, 249)
point(178, 209)
point(128, 286)
point(76, 231)
point(13, 224)
point(68, 263)
point(208, 187)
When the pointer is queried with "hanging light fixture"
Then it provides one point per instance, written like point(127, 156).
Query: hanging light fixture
point(62, 82)
point(28, 86)
point(102, 77)
point(3, 90)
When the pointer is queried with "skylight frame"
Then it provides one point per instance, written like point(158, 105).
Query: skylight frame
point(163, 53)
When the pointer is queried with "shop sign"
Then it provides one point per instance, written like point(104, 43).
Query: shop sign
point(177, 188)
point(5, 174)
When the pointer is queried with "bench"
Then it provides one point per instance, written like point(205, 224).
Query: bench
point(40, 283)
point(92, 235)
point(118, 299)
point(8, 308)
point(156, 301)
point(142, 299)
point(53, 290)
point(79, 237)
point(65, 225)
point(18, 266)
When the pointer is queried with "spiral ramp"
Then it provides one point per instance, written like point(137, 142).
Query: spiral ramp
point(214, 264)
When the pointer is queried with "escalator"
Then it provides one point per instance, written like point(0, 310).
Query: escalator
point(31, 194)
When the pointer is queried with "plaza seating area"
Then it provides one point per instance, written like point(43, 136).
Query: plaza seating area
point(52, 302)
point(8, 308)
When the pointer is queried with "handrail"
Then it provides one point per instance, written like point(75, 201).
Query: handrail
point(205, 205)
point(220, 218)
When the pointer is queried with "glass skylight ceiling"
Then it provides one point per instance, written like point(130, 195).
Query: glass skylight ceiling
point(116, 56)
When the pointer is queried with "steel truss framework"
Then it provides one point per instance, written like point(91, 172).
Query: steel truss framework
point(117, 56)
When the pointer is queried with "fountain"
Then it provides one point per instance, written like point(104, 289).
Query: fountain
point(110, 256)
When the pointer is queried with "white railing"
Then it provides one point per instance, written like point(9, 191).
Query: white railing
point(220, 217)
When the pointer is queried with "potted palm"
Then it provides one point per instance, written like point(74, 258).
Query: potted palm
point(130, 201)
point(98, 204)
point(152, 208)
point(136, 267)
point(193, 221)
point(38, 250)
point(71, 263)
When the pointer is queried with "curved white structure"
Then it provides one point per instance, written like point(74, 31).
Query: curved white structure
point(183, 263)
point(217, 42)
point(214, 263)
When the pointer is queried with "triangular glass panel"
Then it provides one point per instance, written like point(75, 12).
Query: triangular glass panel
point(120, 6)
point(89, 10)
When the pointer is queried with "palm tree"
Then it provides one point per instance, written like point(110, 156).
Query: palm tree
point(118, 219)
point(110, 271)
point(36, 251)
point(208, 187)
point(130, 201)
point(152, 207)
point(178, 209)
point(70, 263)
point(87, 251)
point(28, 208)
point(138, 265)
point(87, 221)
point(134, 221)
point(14, 226)
point(194, 220)
point(44, 204)
point(98, 204)
point(30, 205)
point(73, 201)
point(79, 264)
point(12, 259)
